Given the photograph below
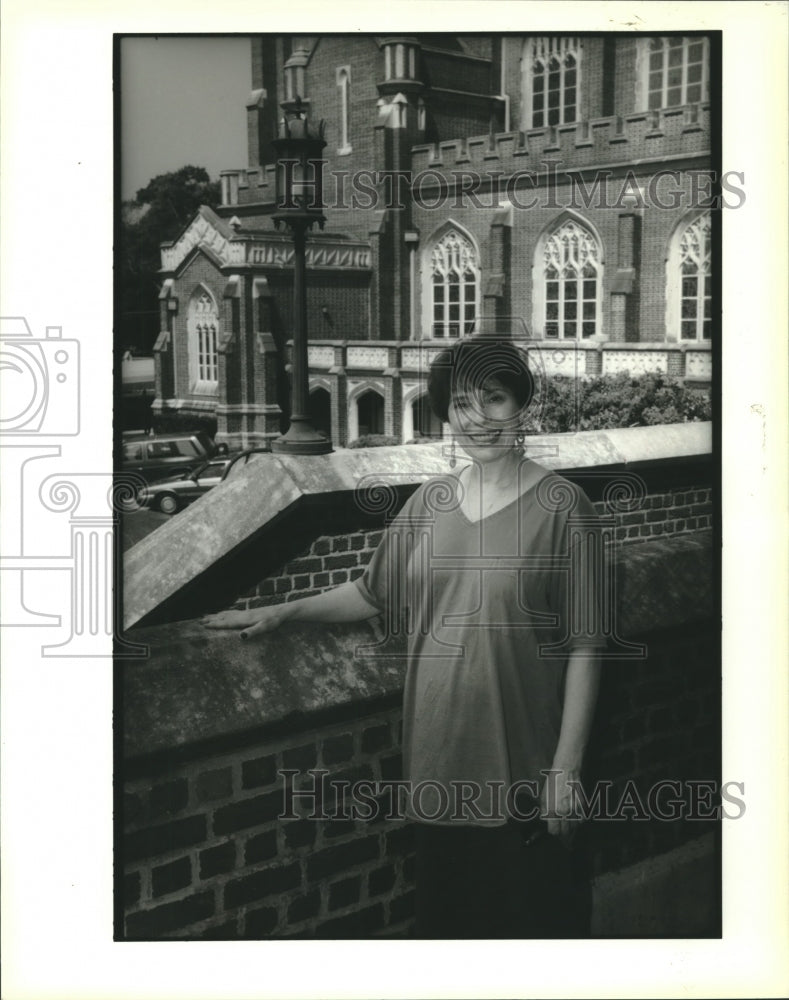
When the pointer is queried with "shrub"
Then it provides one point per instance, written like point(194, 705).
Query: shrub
point(621, 400)
point(374, 441)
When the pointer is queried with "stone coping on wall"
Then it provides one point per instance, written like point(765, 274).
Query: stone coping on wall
point(268, 485)
point(596, 343)
point(199, 685)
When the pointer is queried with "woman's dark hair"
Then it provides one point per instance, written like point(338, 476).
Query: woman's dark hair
point(468, 364)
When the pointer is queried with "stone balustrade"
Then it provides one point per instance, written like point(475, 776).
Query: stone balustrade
point(691, 361)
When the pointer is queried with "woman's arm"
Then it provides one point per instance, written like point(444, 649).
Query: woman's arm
point(340, 604)
point(580, 697)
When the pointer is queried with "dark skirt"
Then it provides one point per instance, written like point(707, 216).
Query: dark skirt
point(510, 881)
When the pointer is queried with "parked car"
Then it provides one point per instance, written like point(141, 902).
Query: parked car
point(174, 493)
point(167, 454)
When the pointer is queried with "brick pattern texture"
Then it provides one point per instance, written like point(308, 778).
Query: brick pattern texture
point(656, 721)
point(335, 559)
point(614, 135)
point(206, 855)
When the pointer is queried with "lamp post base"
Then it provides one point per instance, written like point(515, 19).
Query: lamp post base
point(301, 439)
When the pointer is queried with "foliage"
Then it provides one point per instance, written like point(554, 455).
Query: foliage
point(159, 212)
point(374, 441)
point(621, 400)
point(173, 199)
point(600, 403)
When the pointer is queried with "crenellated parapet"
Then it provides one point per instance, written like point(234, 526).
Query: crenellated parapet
point(660, 134)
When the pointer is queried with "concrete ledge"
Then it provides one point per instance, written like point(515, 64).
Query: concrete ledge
point(665, 583)
point(672, 895)
point(199, 684)
point(269, 485)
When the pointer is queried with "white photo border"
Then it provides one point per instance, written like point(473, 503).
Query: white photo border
point(57, 210)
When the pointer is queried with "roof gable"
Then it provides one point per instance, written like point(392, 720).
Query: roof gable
point(208, 232)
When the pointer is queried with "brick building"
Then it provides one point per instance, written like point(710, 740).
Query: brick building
point(561, 181)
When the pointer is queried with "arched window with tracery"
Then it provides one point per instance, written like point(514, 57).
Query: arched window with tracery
point(551, 80)
point(454, 281)
point(692, 260)
point(203, 324)
point(571, 266)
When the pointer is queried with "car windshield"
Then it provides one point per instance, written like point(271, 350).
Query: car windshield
point(211, 470)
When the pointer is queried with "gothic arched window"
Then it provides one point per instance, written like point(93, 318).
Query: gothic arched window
point(203, 326)
point(571, 269)
point(693, 265)
point(454, 280)
point(550, 70)
point(370, 413)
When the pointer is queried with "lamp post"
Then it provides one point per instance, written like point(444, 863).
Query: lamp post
point(299, 202)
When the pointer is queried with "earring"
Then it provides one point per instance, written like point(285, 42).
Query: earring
point(452, 459)
point(520, 441)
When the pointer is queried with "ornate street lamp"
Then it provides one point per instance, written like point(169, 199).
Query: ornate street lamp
point(299, 202)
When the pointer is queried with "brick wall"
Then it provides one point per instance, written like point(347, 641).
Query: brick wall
point(327, 562)
point(657, 719)
point(611, 133)
point(453, 116)
point(625, 80)
point(646, 320)
point(205, 855)
point(344, 296)
point(333, 559)
point(677, 512)
point(366, 63)
point(592, 79)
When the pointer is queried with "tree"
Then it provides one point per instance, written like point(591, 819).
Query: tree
point(158, 212)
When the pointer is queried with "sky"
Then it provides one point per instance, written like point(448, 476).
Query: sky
point(183, 101)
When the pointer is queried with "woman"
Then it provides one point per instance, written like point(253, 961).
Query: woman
point(500, 691)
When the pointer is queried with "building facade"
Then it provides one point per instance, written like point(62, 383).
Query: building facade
point(555, 188)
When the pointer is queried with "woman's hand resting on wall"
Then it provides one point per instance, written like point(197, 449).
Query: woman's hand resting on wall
point(340, 604)
point(250, 623)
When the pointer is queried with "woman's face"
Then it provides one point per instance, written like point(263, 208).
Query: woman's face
point(484, 420)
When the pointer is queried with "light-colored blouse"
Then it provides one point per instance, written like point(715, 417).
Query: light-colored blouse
point(491, 608)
